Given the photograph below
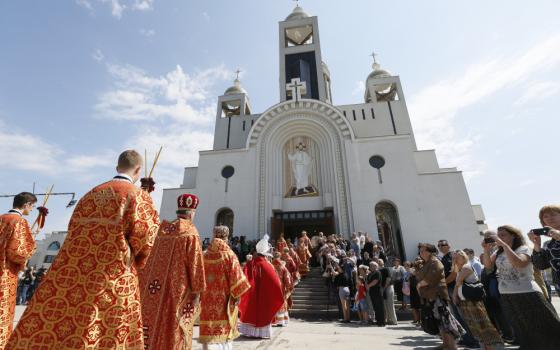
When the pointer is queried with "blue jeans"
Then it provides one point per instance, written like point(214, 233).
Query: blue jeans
point(23, 295)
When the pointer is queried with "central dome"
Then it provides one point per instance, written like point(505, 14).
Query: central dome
point(297, 13)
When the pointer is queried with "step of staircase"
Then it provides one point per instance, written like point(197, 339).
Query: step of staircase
point(311, 300)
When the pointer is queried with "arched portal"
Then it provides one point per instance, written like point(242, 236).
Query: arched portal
point(389, 229)
point(224, 217)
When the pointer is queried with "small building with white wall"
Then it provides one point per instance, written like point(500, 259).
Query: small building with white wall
point(47, 249)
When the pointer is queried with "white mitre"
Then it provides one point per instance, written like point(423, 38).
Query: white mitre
point(263, 247)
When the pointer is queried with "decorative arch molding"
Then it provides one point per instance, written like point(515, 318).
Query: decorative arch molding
point(314, 119)
point(306, 106)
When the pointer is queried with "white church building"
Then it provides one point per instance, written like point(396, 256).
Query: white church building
point(306, 164)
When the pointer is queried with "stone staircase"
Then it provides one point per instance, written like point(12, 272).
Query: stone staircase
point(311, 300)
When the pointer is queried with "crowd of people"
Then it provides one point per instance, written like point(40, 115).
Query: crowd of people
point(28, 281)
point(123, 279)
point(502, 296)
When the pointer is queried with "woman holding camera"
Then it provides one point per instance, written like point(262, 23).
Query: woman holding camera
point(549, 255)
point(530, 314)
point(433, 288)
point(473, 311)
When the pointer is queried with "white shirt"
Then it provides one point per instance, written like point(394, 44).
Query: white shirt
point(125, 176)
point(15, 211)
point(513, 280)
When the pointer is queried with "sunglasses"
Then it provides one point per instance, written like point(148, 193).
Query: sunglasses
point(442, 245)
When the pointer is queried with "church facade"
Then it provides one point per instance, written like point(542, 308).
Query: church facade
point(306, 164)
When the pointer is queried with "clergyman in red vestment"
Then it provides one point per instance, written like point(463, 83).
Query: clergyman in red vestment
point(225, 284)
point(172, 281)
point(304, 254)
point(281, 243)
point(16, 247)
point(259, 306)
point(282, 316)
point(291, 265)
point(90, 298)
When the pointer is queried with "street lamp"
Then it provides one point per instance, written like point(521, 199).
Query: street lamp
point(71, 203)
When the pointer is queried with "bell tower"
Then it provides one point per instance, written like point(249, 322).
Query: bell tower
point(300, 58)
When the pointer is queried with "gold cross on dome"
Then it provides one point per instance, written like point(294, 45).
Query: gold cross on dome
point(374, 55)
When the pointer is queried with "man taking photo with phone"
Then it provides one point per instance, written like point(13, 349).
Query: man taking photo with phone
point(547, 255)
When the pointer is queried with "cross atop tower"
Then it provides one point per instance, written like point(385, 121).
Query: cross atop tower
point(237, 74)
point(374, 55)
point(297, 88)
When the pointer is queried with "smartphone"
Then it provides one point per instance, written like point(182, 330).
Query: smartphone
point(541, 231)
point(489, 240)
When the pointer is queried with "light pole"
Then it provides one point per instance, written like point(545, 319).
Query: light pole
point(71, 203)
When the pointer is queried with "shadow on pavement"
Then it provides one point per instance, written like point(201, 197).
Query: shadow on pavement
point(418, 342)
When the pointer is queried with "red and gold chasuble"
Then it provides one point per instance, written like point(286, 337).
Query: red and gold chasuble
point(291, 266)
point(16, 247)
point(304, 255)
point(173, 273)
point(281, 244)
point(90, 298)
point(286, 281)
point(225, 282)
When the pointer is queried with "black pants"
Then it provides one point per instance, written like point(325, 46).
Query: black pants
point(378, 307)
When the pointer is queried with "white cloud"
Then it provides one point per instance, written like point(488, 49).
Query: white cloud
point(119, 6)
point(206, 16)
point(85, 4)
point(538, 91)
point(527, 182)
point(143, 5)
point(87, 162)
point(177, 111)
point(23, 151)
point(359, 89)
point(176, 95)
point(435, 108)
point(148, 33)
point(98, 55)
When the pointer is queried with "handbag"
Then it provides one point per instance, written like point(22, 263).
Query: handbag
point(472, 291)
point(427, 319)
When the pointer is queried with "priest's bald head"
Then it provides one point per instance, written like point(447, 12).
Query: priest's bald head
point(130, 163)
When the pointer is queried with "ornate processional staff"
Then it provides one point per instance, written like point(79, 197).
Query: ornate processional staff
point(43, 212)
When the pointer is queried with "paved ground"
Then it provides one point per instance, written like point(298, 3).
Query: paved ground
point(300, 335)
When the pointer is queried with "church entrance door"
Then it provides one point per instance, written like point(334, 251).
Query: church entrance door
point(292, 223)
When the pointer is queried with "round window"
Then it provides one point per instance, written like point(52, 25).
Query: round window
point(228, 171)
point(377, 162)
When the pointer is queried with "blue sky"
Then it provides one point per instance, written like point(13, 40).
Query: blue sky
point(82, 80)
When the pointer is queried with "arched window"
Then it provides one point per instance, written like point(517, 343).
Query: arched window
point(225, 217)
point(54, 246)
point(389, 229)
